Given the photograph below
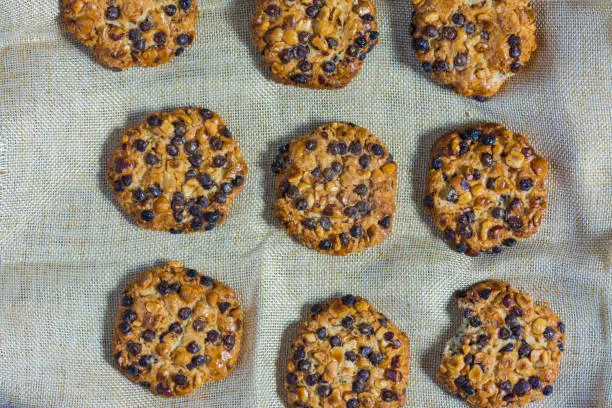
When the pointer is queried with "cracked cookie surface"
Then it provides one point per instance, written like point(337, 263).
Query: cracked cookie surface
point(178, 171)
point(335, 189)
point(486, 187)
point(124, 33)
point(508, 350)
point(473, 46)
point(176, 330)
point(348, 355)
point(314, 43)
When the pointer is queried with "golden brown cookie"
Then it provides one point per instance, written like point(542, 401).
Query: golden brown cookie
point(508, 350)
point(347, 355)
point(177, 329)
point(123, 33)
point(473, 46)
point(315, 43)
point(335, 189)
point(486, 187)
point(178, 171)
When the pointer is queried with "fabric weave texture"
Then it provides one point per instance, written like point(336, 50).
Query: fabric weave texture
point(67, 250)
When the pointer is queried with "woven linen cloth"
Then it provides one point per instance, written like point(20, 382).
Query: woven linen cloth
point(67, 250)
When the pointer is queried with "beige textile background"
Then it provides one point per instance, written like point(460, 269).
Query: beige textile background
point(67, 251)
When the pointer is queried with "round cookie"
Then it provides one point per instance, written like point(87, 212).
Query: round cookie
point(177, 329)
point(473, 46)
point(508, 350)
point(347, 355)
point(178, 171)
point(123, 33)
point(486, 187)
point(315, 44)
point(335, 189)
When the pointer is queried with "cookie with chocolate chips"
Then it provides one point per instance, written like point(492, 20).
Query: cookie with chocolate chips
point(347, 355)
point(335, 189)
point(176, 330)
point(486, 188)
point(178, 171)
point(124, 33)
point(315, 44)
point(508, 350)
point(473, 46)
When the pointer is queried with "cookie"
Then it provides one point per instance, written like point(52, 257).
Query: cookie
point(178, 171)
point(315, 44)
point(508, 350)
point(176, 330)
point(486, 187)
point(473, 46)
point(335, 189)
point(347, 355)
point(123, 33)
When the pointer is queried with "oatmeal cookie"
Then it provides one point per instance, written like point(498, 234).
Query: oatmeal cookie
point(508, 350)
point(123, 33)
point(335, 189)
point(473, 46)
point(315, 43)
point(348, 355)
point(177, 329)
point(178, 171)
point(486, 187)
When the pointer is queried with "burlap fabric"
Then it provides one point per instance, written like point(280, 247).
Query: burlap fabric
point(67, 251)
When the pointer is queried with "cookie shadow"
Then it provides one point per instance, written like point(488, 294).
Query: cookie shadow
point(433, 355)
point(240, 13)
point(113, 302)
point(267, 158)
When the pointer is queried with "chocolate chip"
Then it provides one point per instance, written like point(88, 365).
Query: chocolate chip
point(300, 204)
point(312, 11)
point(134, 348)
point(223, 306)
point(212, 336)
point(345, 239)
point(199, 325)
point(356, 231)
point(361, 41)
point(358, 386)
point(458, 19)
point(515, 67)
point(449, 33)
point(363, 375)
point(133, 371)
point(376, 358)
point(427, 66)
point(352, 51)
point(503, 333)
point(470, 28)
point(292, 379)
point(329, 67)
point(184, 312)
point(475, 321)
point(460, 59)
point(350, 355)
point(561, 327)
point(440, 66)
point(515, 223)
point(145, 25)
point(547, 390)
point(219, 161)
point(364, 161)
point(377, 150)
point(430, 30)
point(485, 294)
point(524, 350)
point(147, 215)
point(192, 347)
point(129, 316)
point(549, 333)
point(351, 212)
point(468, 359)
point(507, 348)
point(112, 13)
point(185, 4)
point(365, 328)
point(303, 365)
point(388, 395)
point(514, 40)
point(525, 184)
point(152, 159)
point(352, 403)
point(366, 351)
point(273, 10)
point(373, 35)
point(521, 387)
point(212, 217)
point(155, 190)
point(171, 10)
point(325, 223)
point(124, 328)
point(488, 140)
point(347, 322)
point(452, 196)
point(145, 361)
point(421, 44)
point(183, 39)
point(324, 390)
point(325, 245)
point(175, 328)
point(198, 360)
point(229, 341)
